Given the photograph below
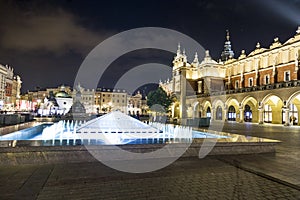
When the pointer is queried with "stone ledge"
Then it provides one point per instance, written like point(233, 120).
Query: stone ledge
point(73, 154)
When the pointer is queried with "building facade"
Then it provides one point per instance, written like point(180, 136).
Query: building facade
point(107, 100)
point(137, 105)
point(261, 87)
point(10, 88)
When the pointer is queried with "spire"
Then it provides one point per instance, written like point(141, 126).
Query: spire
point(178, 50)
point(298, 30)
point(227, 53)
point(227, 35)
point(258, 45)
point(207, 54)
point(184, 56)
point(196, 58)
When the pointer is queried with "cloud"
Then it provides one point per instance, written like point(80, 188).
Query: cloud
point(56, 31)
point(287, 9)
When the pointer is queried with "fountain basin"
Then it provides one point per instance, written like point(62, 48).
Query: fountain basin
point(69, 141)
point(27, 153)
point(15, 152)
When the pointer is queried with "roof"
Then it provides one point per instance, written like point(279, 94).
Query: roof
point(62, 94)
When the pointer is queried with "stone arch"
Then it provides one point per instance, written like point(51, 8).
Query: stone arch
point(272, 109)
point(176, 110)
point(219, 110)
point(205, 106)
point(293, 104)
point(232, 113)
point(249, 98)
point(292, 97)
point(249, 109)
point(268, 96)
point(196, 110)
point(231, 101)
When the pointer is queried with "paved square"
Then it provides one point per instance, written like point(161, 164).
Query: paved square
point(190, 178)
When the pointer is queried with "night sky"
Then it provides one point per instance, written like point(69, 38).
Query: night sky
point(46, 41)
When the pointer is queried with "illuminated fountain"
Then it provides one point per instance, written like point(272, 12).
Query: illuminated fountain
point(114, 128)
point(118, 128)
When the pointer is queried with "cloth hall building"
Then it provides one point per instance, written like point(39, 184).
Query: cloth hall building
point(261, 87)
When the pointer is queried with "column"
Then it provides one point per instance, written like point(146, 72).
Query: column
point(287, 119)
point(225, 115)
point(183, 108)
point(241, 115)
point(173, 81)
point(260, 115)
point(201, 111)
point(212, 114)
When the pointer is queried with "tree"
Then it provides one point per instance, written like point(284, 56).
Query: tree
point(158, 100)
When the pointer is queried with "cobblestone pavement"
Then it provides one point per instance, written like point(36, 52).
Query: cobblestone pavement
point(261, 176)
point(283, 165)
point(187, 178)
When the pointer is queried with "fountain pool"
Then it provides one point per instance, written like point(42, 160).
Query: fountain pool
point(114, 128)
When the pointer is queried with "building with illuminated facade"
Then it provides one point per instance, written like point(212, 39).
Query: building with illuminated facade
point(107, 100)
point(101, 100)
point(10, 88)
point(261, 87)
point(137, 105)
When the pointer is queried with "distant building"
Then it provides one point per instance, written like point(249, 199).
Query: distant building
point(10, 88)
point(101, 100)
point(87, 98)
point(38, 99)
point(64, 102)
point(107, 100)
point(137, 105)
point(3, 74)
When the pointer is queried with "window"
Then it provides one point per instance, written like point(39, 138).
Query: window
point(236, 84)
point(293, 114)
point(231, 113)
point(208, 112)
point(247, 113)
point(267, 114)
point(250, 82)
point(287, 76)
point(219, 113)
point(267, 79)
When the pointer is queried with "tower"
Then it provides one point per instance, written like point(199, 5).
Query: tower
point(227, 53)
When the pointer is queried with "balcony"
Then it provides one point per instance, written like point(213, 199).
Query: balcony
point(294, 83)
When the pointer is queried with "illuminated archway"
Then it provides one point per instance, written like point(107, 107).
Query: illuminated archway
point(233, 109)
point(176, 111)
point(250, 107)
point(219, 113)
point(247, 113)
point(208, 112)
point(196, 110)
point(294, 106)
point(231, 113)
point(218, 110)
point(206, 109)
point(272, 105)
